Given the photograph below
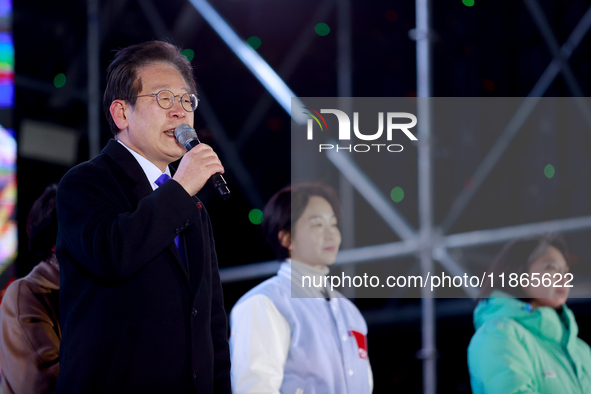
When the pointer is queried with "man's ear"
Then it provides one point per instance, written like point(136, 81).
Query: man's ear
point(284, 237)
point(118, 111)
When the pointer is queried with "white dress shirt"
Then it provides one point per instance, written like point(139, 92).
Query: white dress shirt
point(150, 169)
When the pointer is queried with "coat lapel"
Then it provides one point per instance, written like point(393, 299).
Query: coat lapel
point(141, 186)
point(130, 167)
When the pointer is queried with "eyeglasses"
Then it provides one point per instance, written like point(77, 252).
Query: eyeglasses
point(166, 99)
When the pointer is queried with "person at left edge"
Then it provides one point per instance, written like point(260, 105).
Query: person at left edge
point(136, 317)
point(29, 315)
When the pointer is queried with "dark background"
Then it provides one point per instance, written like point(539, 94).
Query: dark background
point(492, 49)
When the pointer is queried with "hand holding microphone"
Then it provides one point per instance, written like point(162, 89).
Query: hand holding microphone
point(198, 164)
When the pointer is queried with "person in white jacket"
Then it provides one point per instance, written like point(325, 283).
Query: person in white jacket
point(290, 338)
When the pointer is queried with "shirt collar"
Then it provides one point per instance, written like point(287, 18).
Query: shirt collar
point(307, 269)
point(295, 270)
point(150, 169)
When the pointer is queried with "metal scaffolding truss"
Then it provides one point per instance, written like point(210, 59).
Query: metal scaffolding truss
point(430, 242)
point(413, 240)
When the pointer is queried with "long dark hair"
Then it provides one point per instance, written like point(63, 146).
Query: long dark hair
point(516, 257)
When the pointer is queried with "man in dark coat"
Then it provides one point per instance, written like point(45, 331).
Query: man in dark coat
point(140, 314)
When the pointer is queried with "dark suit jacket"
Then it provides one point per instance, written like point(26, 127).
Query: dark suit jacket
point(133, 319)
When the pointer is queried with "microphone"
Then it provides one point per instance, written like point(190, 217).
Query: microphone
point(187, 137)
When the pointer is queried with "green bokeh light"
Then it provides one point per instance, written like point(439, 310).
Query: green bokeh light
point(255, 216)
point(188, 53)
point(468, 3)
point(549, 171)
point(59, 80)
point(322, 29)
point(254, 42)
point(397, 194)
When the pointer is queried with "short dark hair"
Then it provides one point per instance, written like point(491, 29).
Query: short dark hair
point(517, 256)
point(122, 79)
point(287, 206)
point(42, 224)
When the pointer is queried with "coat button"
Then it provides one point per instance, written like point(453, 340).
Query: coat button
point(194, 312)
point(194, 375)
point(178, 230)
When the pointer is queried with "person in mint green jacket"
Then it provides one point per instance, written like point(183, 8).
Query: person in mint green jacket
point(526, 337)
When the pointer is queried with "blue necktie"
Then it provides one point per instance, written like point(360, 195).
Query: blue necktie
point(177, 240)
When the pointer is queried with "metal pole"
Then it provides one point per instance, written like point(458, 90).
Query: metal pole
point(428, 351)
point(344, 51)
point(552, 43)
point(503, 234)
point(518, 119)
point(353, 175)
point(392, 250)
point(230, 154)
point(544, 27)
point(345, 103)
point(490, 161)
point(286, 70)
point(252, 60)
point(94, 101)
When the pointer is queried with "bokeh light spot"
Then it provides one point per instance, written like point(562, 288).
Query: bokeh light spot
point(322, 29)
point(468, 3)
point(254, 42)
point(188, 53)
point(397, 194)
point(59, 80)
point(549, 171)
point(255, 216)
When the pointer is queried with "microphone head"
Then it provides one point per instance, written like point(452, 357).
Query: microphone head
point(184, 134)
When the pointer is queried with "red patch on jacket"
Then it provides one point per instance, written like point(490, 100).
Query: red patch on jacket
point(361, 343)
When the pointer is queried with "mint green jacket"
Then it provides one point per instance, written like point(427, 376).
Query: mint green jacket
point(519, 350)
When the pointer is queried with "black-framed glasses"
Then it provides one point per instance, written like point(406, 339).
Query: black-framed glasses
point(166, 99)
